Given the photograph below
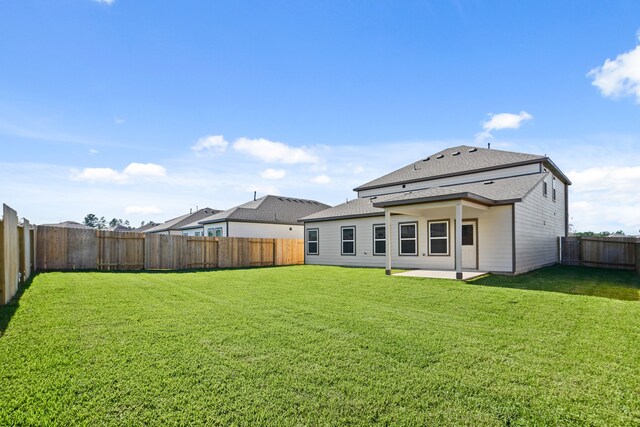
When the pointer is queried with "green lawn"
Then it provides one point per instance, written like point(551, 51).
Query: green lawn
point(309, 345)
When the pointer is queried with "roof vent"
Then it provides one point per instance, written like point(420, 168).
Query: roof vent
point(457, 153)
point(373, 198)
point(440, 156)
point(488, 182)
point(473, 150)
point(427, 159)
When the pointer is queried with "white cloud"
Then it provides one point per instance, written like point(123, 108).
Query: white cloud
point(321, 179)
point(144, 170)
point(93, 151)
point(142, 210)
point(358, 170)
point(605, 197)
point(118, 120)
point(107, 2)
point(99, 175)
point(140, 170)
point(619, 77)
point(274, 152)
point(211, 142)
point(502, 121)
point(273, 173)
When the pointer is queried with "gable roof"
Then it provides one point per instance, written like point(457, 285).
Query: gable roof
point(458, 161)
point(495, 192)
point(177, 222)
point(266, 209)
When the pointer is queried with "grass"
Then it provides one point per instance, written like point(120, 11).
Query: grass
point(317, 346)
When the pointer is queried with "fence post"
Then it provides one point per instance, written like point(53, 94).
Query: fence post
point(581, 252)
point(638, 258)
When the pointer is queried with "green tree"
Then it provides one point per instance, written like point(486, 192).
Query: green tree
point(91, 220)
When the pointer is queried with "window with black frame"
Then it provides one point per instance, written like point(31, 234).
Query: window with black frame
point(312, 241)
point(379, 240)
point(408, 238)
point(348, 240)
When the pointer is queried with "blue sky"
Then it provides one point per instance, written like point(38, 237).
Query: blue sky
point(142, 110)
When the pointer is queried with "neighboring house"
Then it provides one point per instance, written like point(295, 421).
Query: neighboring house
point(172, 226)
point(462, 208)
point(69, 224)
point(145, 227)
point(266, 217)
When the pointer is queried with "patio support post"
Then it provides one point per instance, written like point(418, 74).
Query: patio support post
point(387, 231)
point(459, 241)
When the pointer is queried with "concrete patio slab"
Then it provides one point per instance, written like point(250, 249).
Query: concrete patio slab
point(440, 274)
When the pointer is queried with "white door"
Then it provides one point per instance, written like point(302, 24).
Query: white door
point(469, 245)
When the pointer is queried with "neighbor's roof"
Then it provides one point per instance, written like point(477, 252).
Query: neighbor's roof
point(494, 192)
point(458, 160)
point(145, 227)
point(68, 224)
point(266, 209)
point(176, 223)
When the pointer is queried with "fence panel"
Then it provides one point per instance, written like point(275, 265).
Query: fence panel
point(9, 255)
point(27, 248)
point(200, 252)
point(609, 253)
point(163, 252)
point(606, 252)
point(82, 249)
point(120, 250)
point(289, 251)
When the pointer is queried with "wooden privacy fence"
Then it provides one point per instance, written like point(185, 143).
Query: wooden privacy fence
point(606, 252)
point(61, 248)
point(16, 253)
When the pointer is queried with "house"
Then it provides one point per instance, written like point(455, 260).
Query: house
point(463, 208)
point(173, 225)
point(145, 227)
point(266, 217)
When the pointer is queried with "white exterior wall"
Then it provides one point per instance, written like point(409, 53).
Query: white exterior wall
point(262, 230)
point(494, 241)
point(460, 179)
point(539, 221)
point(191, 232)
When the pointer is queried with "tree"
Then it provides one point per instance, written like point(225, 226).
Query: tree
point(91, 220)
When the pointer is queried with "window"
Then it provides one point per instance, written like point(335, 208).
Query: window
point(408, 238)
point(544, 188)
point(198, 233)
point(312, 241)
point(553, 189)
point(184, 233)
point(467, 235)
point(348, 240)
point(214, 232)
point(379, 240)
point(439, 237)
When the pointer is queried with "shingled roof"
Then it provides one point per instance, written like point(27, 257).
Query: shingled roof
point(176, 223)
point(494, 192)
point(266, 209)
point(455, 161)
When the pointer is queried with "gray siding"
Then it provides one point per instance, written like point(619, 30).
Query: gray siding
point(539, 221)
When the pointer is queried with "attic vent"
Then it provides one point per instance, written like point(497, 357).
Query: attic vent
point(457, 153)
point(427, 159)
point(473, 150)
point(488, 182)
point(440, 156)
point(373, 198)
